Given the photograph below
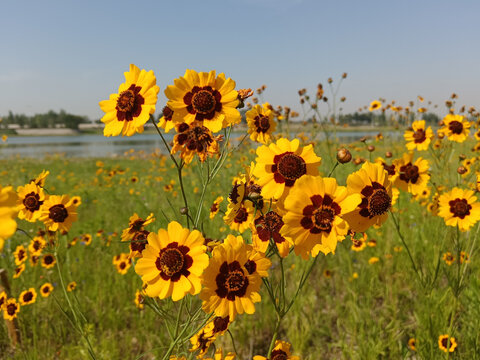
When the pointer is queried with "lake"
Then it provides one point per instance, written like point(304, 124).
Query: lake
point(101, 146)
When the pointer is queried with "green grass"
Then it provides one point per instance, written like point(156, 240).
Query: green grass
point(371, 316)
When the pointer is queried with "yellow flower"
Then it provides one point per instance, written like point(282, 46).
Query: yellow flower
point(71, 286)
point(30, 199)
point(215, 207)
point(8, 212)
point(448, 258)
point(139, 299)
point(165, 121)
point(418, 137)
point(136, 224)
point(412, 176)
point(28, 297)
point(58, 213)
point(10, 309)
point(19, 270)
point(445, 344)
point(267, 227)
point(261, 123)
point(373, 260)
point(20, 254)
point(280, 351)
point(455, 127)
point(46, 289)
point(375, 105)
point(229, 288)
point(123, 263)
point(412, 344)
point(127, 111)
point(204, 97)
point(40, 179)
point(314, 210)
point(194, 139)
point(202, 340)
point(280, 164)
point(37, 244)
point(460, 208)
point(240, 218)
point(172, 262)
point(372, 183)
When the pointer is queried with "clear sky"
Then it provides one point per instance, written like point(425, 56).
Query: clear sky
point(70, 54)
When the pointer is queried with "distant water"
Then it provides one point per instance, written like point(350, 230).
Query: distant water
point(101, 146)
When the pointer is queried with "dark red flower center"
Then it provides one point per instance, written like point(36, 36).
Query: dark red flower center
point(262, 123)
point(167, 113)
point(241, 216)
point(48, 259)
point(319, 216)
point(129, 103)
point(460, 208)
point(268, 227)
point(455, 127)
point(288, 167)
point(174, 261)
point(27, 297)
point(58, 213)
point(203, 102)
point(409, 173)
point(419, 136)
point(376, 200)
point(231, 281)
point(11, 309)
point(32, 202)
point(139, 241)
point(279, 355)
point(195, 138)
point(220, 323)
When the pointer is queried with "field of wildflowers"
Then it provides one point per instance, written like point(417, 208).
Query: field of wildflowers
point(274, 246)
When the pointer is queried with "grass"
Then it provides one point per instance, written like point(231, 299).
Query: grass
point(349, 309)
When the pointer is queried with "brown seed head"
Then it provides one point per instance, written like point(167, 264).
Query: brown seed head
point(462, 156)
point(388, 154)
point(371, 148)
point(344, 75)
point(462, 170)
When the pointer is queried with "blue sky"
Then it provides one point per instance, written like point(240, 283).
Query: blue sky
point(72, 54)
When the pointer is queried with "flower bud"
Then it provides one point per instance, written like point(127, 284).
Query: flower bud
point(461, 170)
point(344, 156)
point(184, 210)
point(371, 148)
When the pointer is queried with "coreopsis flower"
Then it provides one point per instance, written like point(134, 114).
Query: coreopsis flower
point(123, 263)
point(40, 179)
point(18, 271)
point(138, 243)
point(448, 258)
point(8, 212)
point(372, 183)
point(257, 263)
point(136, 224)
point(240, 218)
point(194, 139)
point(71, 286)
point(281, 351)
point(460, 208)
point(37, 244)
point(417, 137)
point(48, 261)
point(476, 134)
point(139, 299)
point(447, 343)
point(27, 297)
point(202, 340)
point(165, 121)
point(20, 254)
point(261, 123)
point(412, 344)
point(10, 309)
point(204, 97)
point(238, 193)
point(229, 288)
point(46, 289)
point(215, 208)
point(313, 215)
point(129, 110)
point(172, 262)
point(358, 244)
point(412, 175)
point(58, 213)
point(455, 127)
point(267, 227)
point(30, 199)
point(3, 299)
point(375, 105)
point(280, 164)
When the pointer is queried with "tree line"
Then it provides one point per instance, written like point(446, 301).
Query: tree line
point(51, 119)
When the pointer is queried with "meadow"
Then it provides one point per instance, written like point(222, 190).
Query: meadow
point(390, 291)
